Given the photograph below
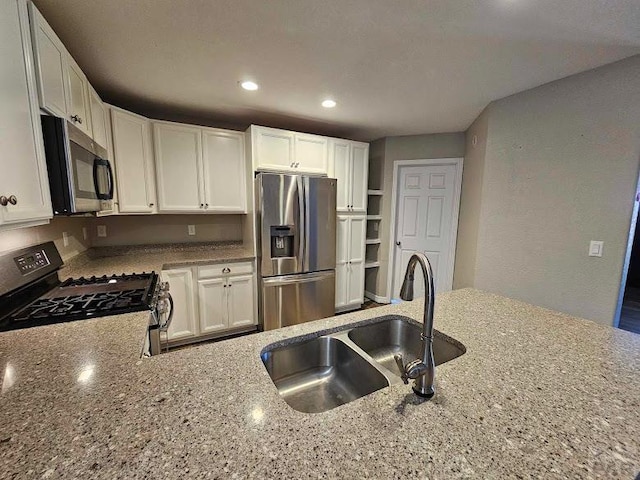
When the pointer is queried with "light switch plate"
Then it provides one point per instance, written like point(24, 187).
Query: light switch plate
point(102, 230)
point(191, 229)
point(595, 248)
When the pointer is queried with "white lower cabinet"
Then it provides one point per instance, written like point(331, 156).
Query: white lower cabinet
point(214, 299)
point(180, 282)
point(350, 253)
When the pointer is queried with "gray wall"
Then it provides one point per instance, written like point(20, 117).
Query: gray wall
point(149, 229)
point(411, 147)
point(560, 169)
point(23, 237)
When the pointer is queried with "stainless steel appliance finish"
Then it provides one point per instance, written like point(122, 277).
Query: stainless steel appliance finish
point(80, 175)
point(318, 374)
point(296, 239)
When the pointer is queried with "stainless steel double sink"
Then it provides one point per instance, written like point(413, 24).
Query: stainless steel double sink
point(317, 374)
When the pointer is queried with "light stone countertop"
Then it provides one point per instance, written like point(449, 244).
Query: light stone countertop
point(146, 258)
point(538, 394)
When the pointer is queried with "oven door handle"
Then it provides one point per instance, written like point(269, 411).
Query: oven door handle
point(101, 162)
point(165, 326)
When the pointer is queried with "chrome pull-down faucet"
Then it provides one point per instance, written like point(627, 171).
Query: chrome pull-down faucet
point(421, 370)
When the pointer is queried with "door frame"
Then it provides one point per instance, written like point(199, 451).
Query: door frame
point(457, 162)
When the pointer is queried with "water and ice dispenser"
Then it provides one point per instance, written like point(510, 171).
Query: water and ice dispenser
point(282, 241)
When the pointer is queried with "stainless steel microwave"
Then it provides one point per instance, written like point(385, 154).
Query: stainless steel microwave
point(80, 175)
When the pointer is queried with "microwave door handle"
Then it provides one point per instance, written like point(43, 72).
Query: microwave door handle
point(97, 163)
point(111, 179)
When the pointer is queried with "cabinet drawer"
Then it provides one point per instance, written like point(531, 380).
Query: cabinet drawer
point(223, 269)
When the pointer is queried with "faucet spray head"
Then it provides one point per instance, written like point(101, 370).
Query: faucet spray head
point(406, 292)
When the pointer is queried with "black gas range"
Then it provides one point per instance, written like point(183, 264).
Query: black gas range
point(31, 293)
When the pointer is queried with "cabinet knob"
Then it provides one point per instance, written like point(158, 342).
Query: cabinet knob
point(151, 204)
point(206, 205)
point(4, 201)
point(202, 205)
point(76, 118)
point(226, 270)
point(292, 165)
point(399, 244)
point(297, 164)
point(13, 200)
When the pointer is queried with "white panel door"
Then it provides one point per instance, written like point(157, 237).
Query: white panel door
point(78, 97)
point(23, 175)
point(184, 322)
point(178, 160)
point(225, 189)
point(357, 234)
point(311, 153)
point(342, 259)
point(340, 154)
point(273, 149)
point(213, 297)
point(98, 118)
point(424, 216)
point(359, 176)
point(133, 159)
point(50, 61)
point(241, 301)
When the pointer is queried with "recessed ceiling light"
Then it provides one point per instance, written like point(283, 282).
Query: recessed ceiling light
point(249, 85)
point(329, 104)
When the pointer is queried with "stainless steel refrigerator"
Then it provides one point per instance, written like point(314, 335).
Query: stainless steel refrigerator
point(296, 247)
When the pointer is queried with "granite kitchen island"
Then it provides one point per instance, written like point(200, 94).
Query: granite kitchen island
point(537, 394)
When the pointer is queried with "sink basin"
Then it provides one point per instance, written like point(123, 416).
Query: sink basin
point(382, 340)
point(320, 374)
point(337, 367)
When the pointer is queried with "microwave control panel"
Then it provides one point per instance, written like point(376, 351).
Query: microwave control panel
point(32, 262)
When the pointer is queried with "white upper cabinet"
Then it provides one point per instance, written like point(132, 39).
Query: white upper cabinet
point(24, 187)
point(284, 151)
point(133, 159)
point(349, 164)
point(178, 158)
point(51, 65)
point(199, 170)
point(272, 149)
point(224, 171)
point(78, 97)
point(98, 118)
point(311, 153)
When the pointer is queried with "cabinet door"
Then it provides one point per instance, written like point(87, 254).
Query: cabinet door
point(98, 113)
point(311, 153)
point(50, 63)
point(22, 163)
point(212, 295)
point(341, 169)
point(184, 322)
point(357, 234)
point(113, 206)
point(225, 189)
point(78, 97)
point(178, 160)
point(359, 176)
point(241, 301)
point(342, 259)
point(273, 149)
point(134, 163)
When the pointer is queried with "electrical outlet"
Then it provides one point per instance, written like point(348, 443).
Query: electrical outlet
point(65, 239)
point(85, 234)
point(191, 229)
point(102, 230)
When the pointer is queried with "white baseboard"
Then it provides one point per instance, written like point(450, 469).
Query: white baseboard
point(376, 298)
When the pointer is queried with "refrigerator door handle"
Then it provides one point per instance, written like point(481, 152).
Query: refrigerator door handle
point(302, 223)
point(301, 278)
point(307, 224)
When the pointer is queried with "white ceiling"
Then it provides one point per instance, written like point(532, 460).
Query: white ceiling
point(395, 67)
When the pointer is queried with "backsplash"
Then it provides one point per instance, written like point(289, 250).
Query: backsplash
point(23, 237)
point(161, 229)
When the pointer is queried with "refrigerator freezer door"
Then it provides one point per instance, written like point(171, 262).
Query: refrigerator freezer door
point(294, 299)
point(319, 235)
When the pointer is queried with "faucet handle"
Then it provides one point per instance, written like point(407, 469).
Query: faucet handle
point(403, 373)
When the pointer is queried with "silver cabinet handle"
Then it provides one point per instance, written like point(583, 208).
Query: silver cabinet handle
point(4, 201)
point(13, 200)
